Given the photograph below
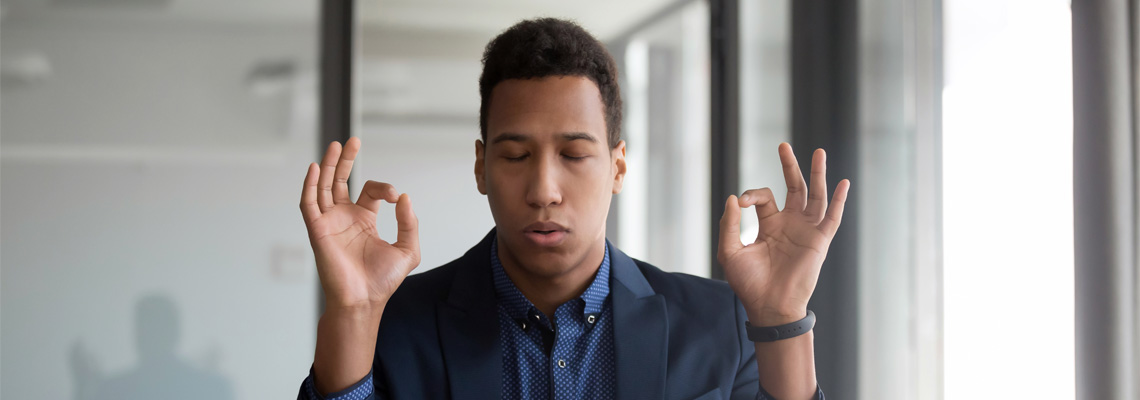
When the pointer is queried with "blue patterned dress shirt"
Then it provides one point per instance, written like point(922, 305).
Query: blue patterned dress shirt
point(571, 357)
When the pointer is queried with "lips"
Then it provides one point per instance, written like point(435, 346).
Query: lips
point(545, 234)
point(544, 227)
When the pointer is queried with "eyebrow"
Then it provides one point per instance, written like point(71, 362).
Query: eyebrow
point(567, 136)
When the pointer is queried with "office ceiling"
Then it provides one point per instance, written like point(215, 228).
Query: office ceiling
point(604, 18)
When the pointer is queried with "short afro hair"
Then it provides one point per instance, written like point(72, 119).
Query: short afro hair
point(543, 47)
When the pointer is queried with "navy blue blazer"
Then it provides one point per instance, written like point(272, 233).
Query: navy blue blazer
point(676, 336)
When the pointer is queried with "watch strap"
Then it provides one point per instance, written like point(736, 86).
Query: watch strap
point(786, 331)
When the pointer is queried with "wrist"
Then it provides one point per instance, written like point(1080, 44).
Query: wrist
point(354, 305)
point(346, 342)
point(770, 316)
point(360, 313)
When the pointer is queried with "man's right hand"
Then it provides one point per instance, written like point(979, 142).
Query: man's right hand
point(358, 270)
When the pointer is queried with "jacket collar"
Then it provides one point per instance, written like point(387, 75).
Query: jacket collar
point(469, 328)
point(641, 329)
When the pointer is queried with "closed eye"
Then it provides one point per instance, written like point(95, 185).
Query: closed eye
point(516, 159)
point(573, 158)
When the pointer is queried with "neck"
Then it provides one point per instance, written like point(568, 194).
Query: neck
point(547, 292)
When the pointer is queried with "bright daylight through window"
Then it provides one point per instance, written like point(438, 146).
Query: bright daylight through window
point(1008, 200)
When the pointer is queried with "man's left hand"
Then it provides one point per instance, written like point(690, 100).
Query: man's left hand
point(776, 275)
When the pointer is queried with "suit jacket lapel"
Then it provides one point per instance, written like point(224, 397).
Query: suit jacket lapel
point(469, 328)
point(641, 328)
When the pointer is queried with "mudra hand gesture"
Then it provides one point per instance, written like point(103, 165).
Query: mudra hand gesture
point(358, 269)
point(775, 276)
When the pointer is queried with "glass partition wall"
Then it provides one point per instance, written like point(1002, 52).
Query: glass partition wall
point(152, 159)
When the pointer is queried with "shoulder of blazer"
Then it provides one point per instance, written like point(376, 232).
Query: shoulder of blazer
point(684, 290)
point(418, 295)
point(420, 292)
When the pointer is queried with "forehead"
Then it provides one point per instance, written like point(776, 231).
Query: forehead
point(546, 107)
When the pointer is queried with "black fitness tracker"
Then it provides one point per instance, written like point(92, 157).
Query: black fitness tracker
point(774, 333)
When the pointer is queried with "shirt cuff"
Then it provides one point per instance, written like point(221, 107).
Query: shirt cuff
point(763, 395)
point(358, 391)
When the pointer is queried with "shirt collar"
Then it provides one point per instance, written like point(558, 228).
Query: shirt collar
point(518, 306)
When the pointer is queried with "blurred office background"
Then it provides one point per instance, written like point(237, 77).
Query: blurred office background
point(152, 152)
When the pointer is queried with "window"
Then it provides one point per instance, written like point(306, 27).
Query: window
point(1008, 221)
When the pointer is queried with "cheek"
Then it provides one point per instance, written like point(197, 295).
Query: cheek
point(505, 188)
point(594, 185)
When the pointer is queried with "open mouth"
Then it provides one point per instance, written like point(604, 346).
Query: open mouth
point(545, 234)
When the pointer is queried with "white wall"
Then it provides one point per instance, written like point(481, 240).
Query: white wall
point(144, 166)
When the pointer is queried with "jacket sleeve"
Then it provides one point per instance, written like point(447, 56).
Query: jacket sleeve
point(362, 390)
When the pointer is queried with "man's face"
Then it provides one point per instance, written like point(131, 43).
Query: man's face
point(548, 171)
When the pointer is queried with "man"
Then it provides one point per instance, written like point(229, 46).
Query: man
point(544, 306)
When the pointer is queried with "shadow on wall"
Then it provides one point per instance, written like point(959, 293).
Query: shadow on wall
point(160, 373)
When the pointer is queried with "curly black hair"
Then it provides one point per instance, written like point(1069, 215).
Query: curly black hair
point(544, 47)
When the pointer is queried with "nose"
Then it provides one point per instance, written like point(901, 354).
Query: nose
point(543, 189)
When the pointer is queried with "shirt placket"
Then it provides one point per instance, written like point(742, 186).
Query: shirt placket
point(565, 360)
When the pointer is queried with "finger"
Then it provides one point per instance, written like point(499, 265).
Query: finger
point(328, 171)
point(407, 228)
point(797, 189)
point(309, 209)
point(343, 171)
point(831, 222)
point(764, 201)
point(375, 192)
point(729, 229)
point(817, 196)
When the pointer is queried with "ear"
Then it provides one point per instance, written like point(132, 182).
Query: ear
point(617, 154)
point(480, 157)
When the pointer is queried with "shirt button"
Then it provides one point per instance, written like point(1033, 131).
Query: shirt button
point(523, 325)
point(561, 363)
point(590, 318)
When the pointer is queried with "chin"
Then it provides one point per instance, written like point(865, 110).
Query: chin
point(544, 261)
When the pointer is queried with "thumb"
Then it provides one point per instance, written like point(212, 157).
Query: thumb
point(407, 227)
point(729, 229)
